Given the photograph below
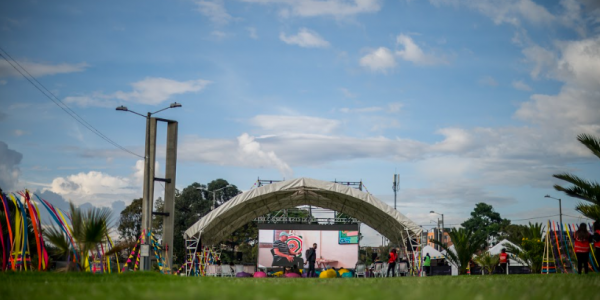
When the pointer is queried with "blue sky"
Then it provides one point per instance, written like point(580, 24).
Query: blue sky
point(470, 101)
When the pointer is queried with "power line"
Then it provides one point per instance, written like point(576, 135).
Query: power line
point(40, 87)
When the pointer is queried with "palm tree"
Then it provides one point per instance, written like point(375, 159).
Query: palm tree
point(487, 261)
point(465, 245)
point(532, 247)
point(584, 189)
point(89, 228)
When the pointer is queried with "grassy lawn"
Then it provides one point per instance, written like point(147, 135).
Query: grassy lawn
point(155, 286)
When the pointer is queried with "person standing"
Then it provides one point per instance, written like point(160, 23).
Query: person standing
point(427, 264)
point(596, 238)
point(582, 248)
point(504, 261)
point(392, 263)
point(311, 257)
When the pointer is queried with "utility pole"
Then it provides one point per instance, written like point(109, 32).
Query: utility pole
point(396, 187)
point(148, 189)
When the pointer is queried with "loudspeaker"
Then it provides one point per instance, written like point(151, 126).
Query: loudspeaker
point(238, 256)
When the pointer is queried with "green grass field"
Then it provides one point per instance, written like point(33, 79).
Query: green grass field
point(155, 286)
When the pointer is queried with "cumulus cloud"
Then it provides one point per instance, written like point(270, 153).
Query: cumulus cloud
point(521, 86)
point(347, 93)
point(9, 167)
point(315, 8)
point(305, 38)
point(151, 91)
point(252, 33)
point(379, 60)
point(245, 151)
point(94, 187)
point(413, 53)
point(40, 69)
point(394, 107)
point(488, 80)
point(506, 11)
point(215, 11)
point(286, 124)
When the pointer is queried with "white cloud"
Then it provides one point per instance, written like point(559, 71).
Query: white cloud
point(347, 93)
point(94, 187)
point(413, 53)
point(314, 8)
point(151, 91)
point(543, 59)
point(488, 80)
point(379, 60)
point(219, 35)
point(215, 11)
point(245, 151)
point(19, 132)
point(294, 124)
point(361, 109)
point(9, 167)
point(521, 86)
point(456, 140)
point(394, 107)
point(252, 33)
point(40, 69)
point(250, 150)
point(506, 11)
point(305, 38)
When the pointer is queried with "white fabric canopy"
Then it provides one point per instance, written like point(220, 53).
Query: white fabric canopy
point(502, 244)
point(257, 202)
point(433, 254)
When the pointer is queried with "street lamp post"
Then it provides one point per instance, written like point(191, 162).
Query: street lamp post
point(149, 172)
point(214, 194)
point(559, 209)
point(443, 229)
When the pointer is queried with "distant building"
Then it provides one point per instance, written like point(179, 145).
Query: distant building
point(435, 235)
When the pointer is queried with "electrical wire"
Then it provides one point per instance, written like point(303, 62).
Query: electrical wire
point(40, 87)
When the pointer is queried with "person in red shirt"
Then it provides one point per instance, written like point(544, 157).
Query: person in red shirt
point(392, 263)
point(596, 240)
point(504, 261)
point(582, 248)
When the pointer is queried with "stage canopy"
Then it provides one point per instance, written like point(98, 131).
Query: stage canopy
point(245, 207)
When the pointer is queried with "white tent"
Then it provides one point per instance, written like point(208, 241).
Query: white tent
point(257, 202)
point(454, 268)
point(434, 254)
point(497, 249)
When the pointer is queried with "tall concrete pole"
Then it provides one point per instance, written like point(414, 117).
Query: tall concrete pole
point(169, 209)
point(148, 200)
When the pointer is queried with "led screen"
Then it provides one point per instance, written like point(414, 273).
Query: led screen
point(283, 248)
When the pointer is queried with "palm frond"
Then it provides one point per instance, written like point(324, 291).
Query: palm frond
point(582, 189)
point(57, 238)
point(590, 142)
point(487, 261)
point(591, 211)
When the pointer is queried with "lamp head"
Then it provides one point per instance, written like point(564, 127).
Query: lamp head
point(547, 196)
point(432, 212)
point(174, 105)
point(122, 108)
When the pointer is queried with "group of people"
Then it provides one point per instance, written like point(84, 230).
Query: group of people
point(392, 260)
point(583, 239)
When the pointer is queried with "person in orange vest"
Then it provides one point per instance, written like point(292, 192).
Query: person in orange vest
point(504, 261)
point(392, 263)
point(582, 248)
point(596, 238)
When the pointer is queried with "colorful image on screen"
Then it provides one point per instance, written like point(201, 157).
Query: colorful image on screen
point(348, 237)
point(282, 248)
